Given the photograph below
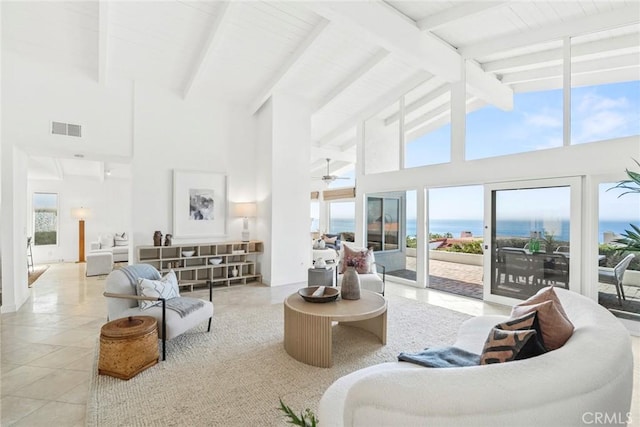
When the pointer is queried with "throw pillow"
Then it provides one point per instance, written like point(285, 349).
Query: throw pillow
point(535, 345)
point(121, 239)
point(556, 328)
point(504, 346)
point(545, 294)
point(360, 258)
point(106, 241)
point(166, 288)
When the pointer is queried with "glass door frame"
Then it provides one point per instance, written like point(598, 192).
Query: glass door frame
point(575, 230)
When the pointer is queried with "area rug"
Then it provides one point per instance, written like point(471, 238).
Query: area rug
point(235, 375)
point(37, 272)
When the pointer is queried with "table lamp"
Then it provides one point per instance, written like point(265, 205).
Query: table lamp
point(246, 211)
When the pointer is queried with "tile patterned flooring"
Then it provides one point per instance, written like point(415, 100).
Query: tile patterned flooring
point(47, 347)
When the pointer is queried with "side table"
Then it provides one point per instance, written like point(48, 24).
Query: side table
point(320, 277)
point(128, 346)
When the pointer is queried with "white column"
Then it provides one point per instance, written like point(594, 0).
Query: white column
point(284, 127)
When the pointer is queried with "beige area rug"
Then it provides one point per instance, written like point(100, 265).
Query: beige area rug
point(37, 272)
point(234, 375)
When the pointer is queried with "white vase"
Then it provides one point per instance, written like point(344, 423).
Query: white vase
point(350, 284)
point(234, 272)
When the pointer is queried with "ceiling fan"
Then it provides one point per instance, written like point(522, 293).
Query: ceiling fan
point(328, 178)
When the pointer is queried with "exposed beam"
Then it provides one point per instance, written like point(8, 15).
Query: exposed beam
point(423, 100)
point(213, 39)
point(288, 65)
point(589, 24)
point(396, 33)
point(597, 65)
point(456, 13)
point(353, 77)
point(401, 36)
point(103, 39)
point(430, 115)
point(540, 59)
point(381, 102)
point(485, 86)
point(472, 105)
point(585, 79)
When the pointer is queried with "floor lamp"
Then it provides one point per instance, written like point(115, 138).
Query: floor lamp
point(245, 210)
point(80, 214)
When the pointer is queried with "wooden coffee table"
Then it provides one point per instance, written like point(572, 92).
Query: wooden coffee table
point(307, 326)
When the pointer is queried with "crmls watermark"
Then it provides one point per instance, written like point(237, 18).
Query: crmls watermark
point(606, 418)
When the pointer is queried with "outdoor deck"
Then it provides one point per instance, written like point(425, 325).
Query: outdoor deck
point(466, 280)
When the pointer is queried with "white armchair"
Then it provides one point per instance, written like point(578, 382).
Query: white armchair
point(122, 301)
point(372, 281)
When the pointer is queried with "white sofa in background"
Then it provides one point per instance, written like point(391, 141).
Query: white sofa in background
point(117, 244)
point(591, 375)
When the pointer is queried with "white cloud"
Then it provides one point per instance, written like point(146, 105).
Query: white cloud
point(592, 102)
point(543, 120)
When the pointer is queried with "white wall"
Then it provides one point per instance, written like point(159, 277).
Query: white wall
point(15, 290)
point(109, 202)
point(196, 134)
point(34, 94)
point(283, 185)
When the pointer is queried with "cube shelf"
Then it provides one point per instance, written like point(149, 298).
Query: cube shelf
point(197, 269)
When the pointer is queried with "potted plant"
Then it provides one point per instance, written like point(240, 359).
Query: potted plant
point(630, 240)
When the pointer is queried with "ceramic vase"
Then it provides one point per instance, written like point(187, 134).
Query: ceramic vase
point(234, 272)
point(350, 284)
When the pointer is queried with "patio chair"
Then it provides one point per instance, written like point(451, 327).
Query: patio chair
point(550, 268)
point(614, 276)
point(516, 264)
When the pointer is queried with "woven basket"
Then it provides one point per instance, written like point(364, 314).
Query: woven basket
point(128, 346)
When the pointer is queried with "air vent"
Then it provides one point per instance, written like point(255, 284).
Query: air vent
point(59, 128)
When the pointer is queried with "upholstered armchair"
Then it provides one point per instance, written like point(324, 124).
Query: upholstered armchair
point(371, 280)
point(174, 315)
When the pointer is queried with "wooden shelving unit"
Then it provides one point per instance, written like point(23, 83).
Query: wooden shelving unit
point(197, 270)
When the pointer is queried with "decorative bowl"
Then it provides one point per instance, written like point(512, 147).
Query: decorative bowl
point(188, 253)
point(215, 261)
point(330, 294)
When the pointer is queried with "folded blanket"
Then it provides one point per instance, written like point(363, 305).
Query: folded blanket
point(441, 357)
point(184, 305)
point(136, 271)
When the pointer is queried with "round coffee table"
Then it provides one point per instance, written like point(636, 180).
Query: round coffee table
point(307, 326)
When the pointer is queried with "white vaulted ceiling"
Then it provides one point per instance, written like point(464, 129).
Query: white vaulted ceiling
point(345, 58)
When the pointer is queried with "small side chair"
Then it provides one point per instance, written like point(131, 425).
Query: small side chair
point(614, 276)
point(122, 301)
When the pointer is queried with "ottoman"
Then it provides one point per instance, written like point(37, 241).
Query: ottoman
point(99, 263)
point(128, 346)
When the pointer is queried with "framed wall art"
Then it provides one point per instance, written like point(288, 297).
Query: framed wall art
point(199, 204)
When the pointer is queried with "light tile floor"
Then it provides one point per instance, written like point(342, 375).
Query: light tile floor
point(47, 347)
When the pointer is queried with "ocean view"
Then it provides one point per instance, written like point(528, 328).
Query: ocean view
point(510, 228)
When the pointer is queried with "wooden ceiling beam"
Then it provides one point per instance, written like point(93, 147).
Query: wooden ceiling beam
point(580, 26)
point(457, 13)
point(214, 35)
point(366, 67)
point(381, 102)
point(543, 58)
point(402, 37)
point(287, 67)
point(596, 65)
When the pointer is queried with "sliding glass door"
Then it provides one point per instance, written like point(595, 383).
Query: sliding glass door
point(532, 237)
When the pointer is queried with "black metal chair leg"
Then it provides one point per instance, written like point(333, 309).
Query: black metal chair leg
point(164, 330)
point(209, 327)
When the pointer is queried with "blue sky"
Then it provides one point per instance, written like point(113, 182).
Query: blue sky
point(598, 113)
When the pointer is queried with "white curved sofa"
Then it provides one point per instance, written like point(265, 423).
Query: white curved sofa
point(592, 373)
